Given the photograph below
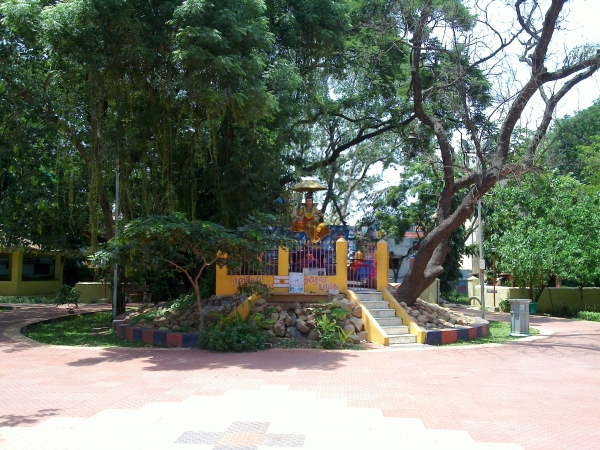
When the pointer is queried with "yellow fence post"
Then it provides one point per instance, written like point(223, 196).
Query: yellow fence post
point(383, 269)
point(341, 266)
point(283, 265)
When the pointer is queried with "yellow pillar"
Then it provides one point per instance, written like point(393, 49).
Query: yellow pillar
point(383, 268)
point(222, 287)
point(283, 263)
point(341, 264)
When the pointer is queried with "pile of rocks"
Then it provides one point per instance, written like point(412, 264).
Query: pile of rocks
point(430, 316)
point(184, 319)
point(299, 320)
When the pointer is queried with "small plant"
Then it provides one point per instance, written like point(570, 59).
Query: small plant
point(328, 329)
point(184, 302)
point(232, 337)
point(262, 320)
point(344, 336)
point(254, 288)
point(505, 306)
point(67, 296)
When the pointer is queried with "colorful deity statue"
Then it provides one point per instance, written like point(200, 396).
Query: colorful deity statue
point(309, 220)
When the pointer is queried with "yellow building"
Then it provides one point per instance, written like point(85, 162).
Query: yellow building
point(30, 271)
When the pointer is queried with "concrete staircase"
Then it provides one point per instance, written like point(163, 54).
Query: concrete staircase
point(386, 318)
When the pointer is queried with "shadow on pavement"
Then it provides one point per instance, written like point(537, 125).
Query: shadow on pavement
point(13, 420)
point(182, 360)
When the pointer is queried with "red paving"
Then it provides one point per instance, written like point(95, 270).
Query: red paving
point(541, 394)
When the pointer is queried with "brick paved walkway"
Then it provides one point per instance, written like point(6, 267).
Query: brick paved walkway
point(534, 394)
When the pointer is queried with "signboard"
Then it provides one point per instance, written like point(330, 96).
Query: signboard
point(297, 282)
point(281, 281)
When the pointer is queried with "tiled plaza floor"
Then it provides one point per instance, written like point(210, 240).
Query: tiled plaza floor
point(533, 394)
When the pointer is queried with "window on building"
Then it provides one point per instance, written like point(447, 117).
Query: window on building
point(38, 268)
point(5, 266)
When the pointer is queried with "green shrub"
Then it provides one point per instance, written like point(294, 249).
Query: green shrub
point(589, 315)
point(453, 296)
point(27, 300)
point(232, 337)
point(67, 296)
point(505, 306)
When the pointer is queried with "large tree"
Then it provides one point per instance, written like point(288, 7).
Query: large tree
point(452, 52)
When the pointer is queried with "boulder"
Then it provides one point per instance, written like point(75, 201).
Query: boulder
point(293, 333)
point(357, 323)
point(349, 328)
point(314, 335)
point(363, 336)
point(302, 326)
point(346, 304)
point(279, 328)
point(357, 311)
point(261, 302)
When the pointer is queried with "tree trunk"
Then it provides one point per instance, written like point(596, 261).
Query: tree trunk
point(429, 260)
point(199, 301)
point(107, 214)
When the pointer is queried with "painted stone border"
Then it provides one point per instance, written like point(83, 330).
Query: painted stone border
point(156, 337)
point(452, 335)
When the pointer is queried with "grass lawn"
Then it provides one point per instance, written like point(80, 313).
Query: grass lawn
point(499, 332)
point(87, 330)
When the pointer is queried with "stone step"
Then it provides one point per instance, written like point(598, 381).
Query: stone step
point(381, 313)
point(403, 339)
point(369, 296)
point(375, 304)
point(389, 321)
point(397, 329)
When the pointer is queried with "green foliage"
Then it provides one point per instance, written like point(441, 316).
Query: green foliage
point(505, 306)
point(570, 141)
point(67, 296)
point(545, 225)
point(254, 288)
point(189, 247)
point(589, 315)
point(232, 337)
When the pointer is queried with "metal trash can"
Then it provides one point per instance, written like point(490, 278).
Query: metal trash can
point(519, 316)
